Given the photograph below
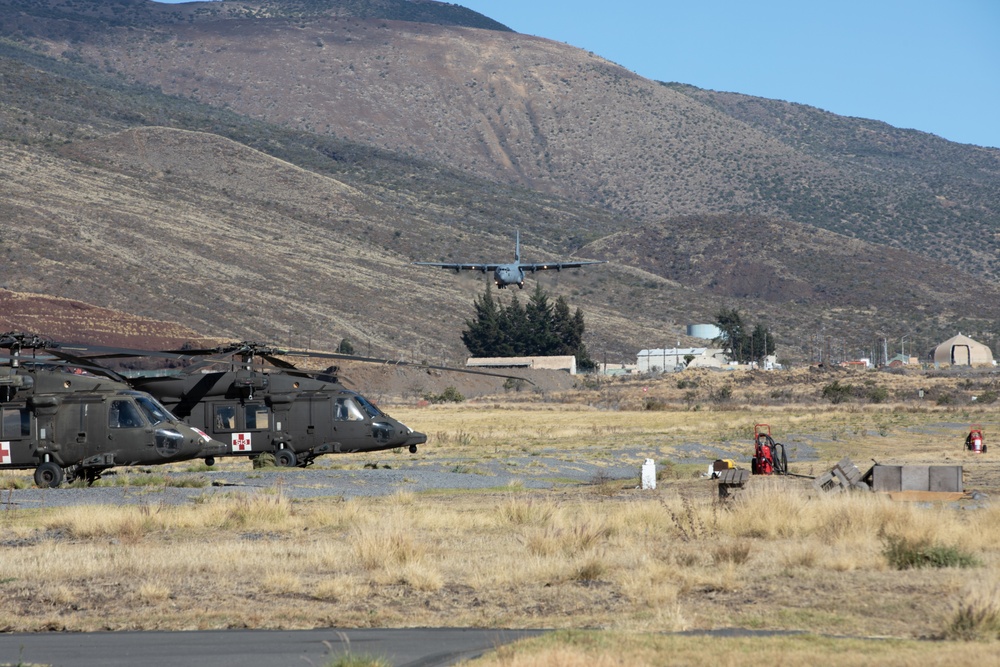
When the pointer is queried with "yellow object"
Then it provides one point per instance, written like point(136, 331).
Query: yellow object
point(723, 464)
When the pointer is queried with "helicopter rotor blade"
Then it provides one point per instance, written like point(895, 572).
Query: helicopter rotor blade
point(51, 359)
point(248, 350)
point(391, 362)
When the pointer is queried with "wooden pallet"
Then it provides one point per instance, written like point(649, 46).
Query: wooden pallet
point(731, 480)
point(844, 476)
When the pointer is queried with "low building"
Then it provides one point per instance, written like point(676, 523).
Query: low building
point(668, 360)
point(961, 351)
point(617, 369)
point(557, 363)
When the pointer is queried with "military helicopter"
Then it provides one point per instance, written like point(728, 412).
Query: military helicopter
point(69, 424)
point(294, 414)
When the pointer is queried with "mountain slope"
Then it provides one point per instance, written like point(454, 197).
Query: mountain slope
point(539, 114)
point(318, 157)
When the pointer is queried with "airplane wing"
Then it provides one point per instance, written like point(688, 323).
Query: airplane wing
point(461, 267)
point(557, 266)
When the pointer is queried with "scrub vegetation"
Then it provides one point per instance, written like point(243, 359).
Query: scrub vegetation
point(611, 565)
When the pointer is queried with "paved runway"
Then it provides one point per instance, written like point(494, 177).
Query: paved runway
point(410, 647)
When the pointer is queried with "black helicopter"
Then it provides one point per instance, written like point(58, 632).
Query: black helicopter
point(69, 424)
point(292, 413)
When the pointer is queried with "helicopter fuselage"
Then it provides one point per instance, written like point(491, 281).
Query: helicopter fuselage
point(66, 424)
point(295, 417)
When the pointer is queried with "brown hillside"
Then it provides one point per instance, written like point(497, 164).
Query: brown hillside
point(192, 227)
point(338, 144)
point(501, 105)
point(554, 118)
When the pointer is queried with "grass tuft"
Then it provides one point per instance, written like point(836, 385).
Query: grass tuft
point(519, 512)
point(976, 618)
point(737, 552)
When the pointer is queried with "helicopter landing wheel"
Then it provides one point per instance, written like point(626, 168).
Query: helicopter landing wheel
point(210, 460)
point(413, 449)
point(48, 475)
point(285, 458)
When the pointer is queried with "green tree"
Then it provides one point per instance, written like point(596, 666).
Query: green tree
point(537, 329)
point(345, 347)
point(514, 325)
point(730, 323)
point(744, 344)
point(539, 335)
point(583, 360)
point(483, 336)
point(566, 328)
point(761, 343)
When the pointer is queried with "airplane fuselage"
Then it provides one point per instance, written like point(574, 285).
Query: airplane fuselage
point(508, 274)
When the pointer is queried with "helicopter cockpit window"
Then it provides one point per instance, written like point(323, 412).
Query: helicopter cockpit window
point(154, 412)
point(225, 418)
point(372, 411)
point(256, 416)
point(124, 414)
point(348, 411)
point(16, 423)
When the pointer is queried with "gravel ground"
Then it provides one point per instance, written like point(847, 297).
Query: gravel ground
point(404, 475)
point(394, 473)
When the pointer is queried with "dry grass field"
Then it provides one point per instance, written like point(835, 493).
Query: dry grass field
point(614, 566)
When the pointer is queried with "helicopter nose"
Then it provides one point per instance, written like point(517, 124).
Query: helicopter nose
point(206, 446)
point(415, 438)
point(212, 448)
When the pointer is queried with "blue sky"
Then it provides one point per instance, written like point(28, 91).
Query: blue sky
point(930, 65)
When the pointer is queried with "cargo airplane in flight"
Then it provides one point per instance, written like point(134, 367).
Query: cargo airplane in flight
point(511, 273)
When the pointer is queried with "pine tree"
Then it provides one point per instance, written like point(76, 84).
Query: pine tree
point(744, 345)
point(483, 336)
point(514, 324)
point(583, 360)
point(537, 329)
point(540, 339)
point(564, 327)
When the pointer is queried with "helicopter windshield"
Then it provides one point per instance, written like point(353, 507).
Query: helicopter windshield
point(154, 412)
point(124, 414)
point(348, 411)
point(372, 411)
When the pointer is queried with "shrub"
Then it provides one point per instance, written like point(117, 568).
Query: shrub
point(722, 395)
point(988, 396)
point(650, 403)
point(264, 460)
point(838, 393)
point(905, 554)
point(513, 384)
point(449, 395)
point(877, 394)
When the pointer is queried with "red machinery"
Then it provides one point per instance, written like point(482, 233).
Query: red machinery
point(768, 456)
point(974, 441)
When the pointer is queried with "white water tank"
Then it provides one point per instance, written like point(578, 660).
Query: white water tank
point(704, 331)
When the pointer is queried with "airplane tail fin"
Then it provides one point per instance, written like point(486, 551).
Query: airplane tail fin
point(517, 246)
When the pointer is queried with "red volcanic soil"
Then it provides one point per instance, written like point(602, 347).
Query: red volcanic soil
point(71, 321)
